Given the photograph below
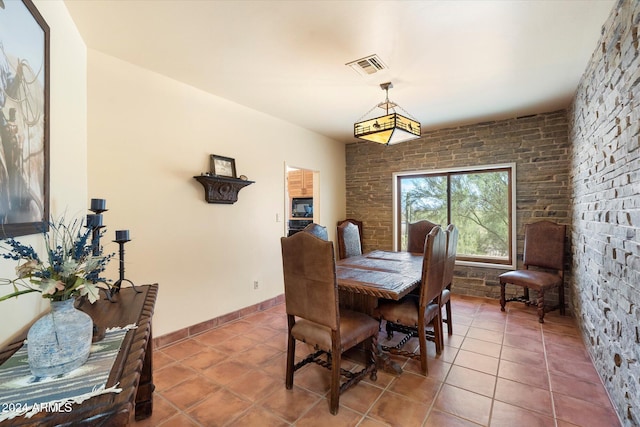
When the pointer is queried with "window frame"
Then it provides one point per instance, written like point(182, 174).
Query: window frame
point(510, 167)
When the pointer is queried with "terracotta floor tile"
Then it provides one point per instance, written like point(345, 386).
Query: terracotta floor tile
point(583, 413)
point(204, 359)
point(161, 359)
point(416, 387)
point(524, 374)
point(219, 408)
point(442, 419)
point(319, 416)
point(492, 372)
point(482, 347)
point(464, 404)
point(255, 385)
point(190, 392)
point(475, 381)
point(396, 410)
point(360, 397)
point(505, 415)
point(524, 396)
point(213, 337)
point(478, 362)
point(486, 335)
point(257, 416)
point(171, 375)
point(584, 390)
point(523, 357)
point(183, 349)
point(225, 372)
point(291, 404)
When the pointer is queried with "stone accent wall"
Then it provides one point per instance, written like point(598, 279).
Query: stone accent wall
point(605, 178)
point(537, 144)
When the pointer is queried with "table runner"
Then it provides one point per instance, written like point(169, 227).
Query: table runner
point(21, 393)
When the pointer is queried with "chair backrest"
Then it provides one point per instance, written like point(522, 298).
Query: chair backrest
point(544, 245)
point(417, 234)
point(310, 286)
point(358, 224)
point(435, 252)
point(452, 248)
point(317, 230)
point(348, 237)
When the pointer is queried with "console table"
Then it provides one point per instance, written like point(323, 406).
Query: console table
point(132, 369)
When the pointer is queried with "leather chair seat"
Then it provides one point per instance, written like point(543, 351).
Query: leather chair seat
point(531, 279)
point(406, 311)
point(354, 328)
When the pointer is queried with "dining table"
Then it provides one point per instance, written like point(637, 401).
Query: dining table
point(364, 279)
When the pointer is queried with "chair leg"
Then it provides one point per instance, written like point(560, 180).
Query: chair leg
point(540, 305)
point(503, 299)
point(449, 318)
point(291, 352)
point(334, 398)
point(561, 298)
point(422, 338)
point(438, 332)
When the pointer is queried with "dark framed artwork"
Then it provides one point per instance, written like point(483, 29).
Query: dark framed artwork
point(223, 166)
point(24, 119)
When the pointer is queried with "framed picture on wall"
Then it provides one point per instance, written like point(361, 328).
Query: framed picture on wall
point(24, 119)
point(223, 166)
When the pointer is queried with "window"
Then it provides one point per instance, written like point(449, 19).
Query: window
point(478, 201)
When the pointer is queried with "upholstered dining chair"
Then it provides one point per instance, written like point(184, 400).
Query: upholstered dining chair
point(450, 264)
point(358, 224)
point(417, 235)
point(543, 259)
point(317, 230)
point(349, 242)
point(314, 317)
point(412, 314)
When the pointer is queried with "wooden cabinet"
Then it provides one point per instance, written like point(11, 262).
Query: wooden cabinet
point(300, 183)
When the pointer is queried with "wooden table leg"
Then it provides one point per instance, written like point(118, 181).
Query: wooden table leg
point(144, 396)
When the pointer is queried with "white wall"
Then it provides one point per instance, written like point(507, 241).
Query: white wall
point(148, 136)
point(68, 152)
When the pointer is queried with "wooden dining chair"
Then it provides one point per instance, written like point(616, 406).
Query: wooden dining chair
point(314, 317)
point(543, 259)
point(349, 241)
point(417, 235)
point(317, 230)
point(358, 224)
point(412, 314)
point(450, 264)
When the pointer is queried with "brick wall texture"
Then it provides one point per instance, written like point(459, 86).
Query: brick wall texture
point(579, 167)
point(604, 133)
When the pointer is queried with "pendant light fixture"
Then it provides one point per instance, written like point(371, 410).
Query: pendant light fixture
point(389, 129)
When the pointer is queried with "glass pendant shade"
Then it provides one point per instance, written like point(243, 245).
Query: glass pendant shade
point(389, 129)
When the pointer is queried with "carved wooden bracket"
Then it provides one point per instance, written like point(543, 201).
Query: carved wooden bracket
point(218, 189)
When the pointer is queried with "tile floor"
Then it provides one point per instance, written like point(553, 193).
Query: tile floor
point(497, 369)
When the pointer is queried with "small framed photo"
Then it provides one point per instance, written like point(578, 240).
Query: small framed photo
point(223, 166)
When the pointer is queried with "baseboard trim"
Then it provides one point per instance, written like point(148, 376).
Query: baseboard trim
point(190, 331)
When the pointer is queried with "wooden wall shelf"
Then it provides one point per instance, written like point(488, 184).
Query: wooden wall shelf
point(220, 189)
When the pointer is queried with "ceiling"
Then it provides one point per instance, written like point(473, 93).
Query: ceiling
point(450, 62)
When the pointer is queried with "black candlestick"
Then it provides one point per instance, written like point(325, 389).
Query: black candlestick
point(121, 239)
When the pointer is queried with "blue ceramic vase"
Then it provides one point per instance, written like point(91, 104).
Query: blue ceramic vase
point(60, 341)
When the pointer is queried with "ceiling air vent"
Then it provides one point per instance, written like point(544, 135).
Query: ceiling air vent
point(368, 65)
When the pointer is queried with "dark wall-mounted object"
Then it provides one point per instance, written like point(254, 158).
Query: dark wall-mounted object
point(218, 189)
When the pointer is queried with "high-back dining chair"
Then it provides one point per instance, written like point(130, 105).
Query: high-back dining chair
point(317, 230)
point(314, 317)
point(412, 314)
point(349, 241)
point(417, 234)
point(544, 251)
point(447, 281)
point(357, 224)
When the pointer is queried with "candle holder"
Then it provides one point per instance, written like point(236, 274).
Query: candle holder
point(122, 237)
